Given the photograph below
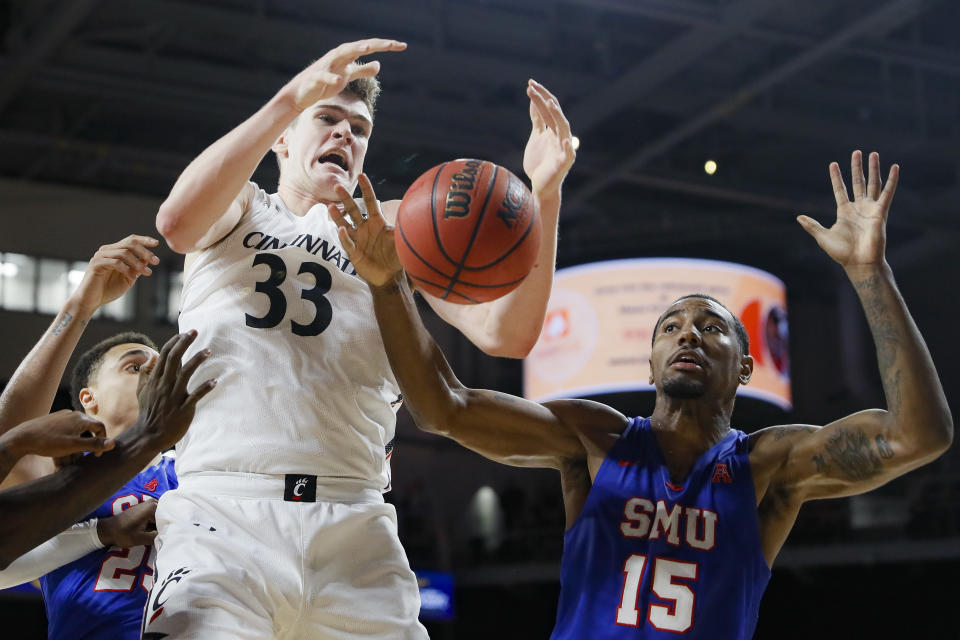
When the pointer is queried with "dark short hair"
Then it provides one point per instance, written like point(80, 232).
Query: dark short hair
point(89, 363)
point(738, 327)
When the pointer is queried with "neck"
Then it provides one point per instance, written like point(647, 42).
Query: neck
point(299, 198)
point(695, 423)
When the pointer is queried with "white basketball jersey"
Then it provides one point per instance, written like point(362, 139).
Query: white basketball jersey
point(304, 385)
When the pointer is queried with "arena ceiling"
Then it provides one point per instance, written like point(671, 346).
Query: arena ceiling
point(121, 95)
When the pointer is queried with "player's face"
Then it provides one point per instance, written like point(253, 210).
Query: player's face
point(113, 389)
point(327, 146)
point(696, 353)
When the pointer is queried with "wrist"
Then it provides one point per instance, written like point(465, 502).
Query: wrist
point(392, 286)
point(141, 442)
point(859, 272)
point(285, 101)
point(79, 308)
point(14, 444)
point(104, 534)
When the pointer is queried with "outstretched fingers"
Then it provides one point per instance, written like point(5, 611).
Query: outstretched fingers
point(369, 199)
point(857, 180)
point(873, 181)
point(886, 196)
point(350, 51)
point(562, 125)
point(839, 189)
point(811, 226)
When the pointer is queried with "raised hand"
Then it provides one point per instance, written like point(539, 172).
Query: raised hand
point(367, 238)
point(858, 237)
point(166, 407)
point(549, 153)
point(59, 434)
point(330, 75)
point(131, 527)
point(113, 269)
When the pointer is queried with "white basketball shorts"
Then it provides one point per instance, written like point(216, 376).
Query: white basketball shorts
point(243, 556)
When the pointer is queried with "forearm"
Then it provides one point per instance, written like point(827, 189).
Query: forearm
point(209, 184)
point(66, 547)
point(510, 326)
point(9, 455)
point(915, 399)
point(36, 511)
point(31, 391)
point(425, 378)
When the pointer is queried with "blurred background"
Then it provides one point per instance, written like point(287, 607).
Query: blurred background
point(705, 127)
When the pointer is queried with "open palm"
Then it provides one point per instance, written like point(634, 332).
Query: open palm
point(369, 240)
point(549, 152)
point(858, 237)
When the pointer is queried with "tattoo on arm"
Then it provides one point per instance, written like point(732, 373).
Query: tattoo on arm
point(60, 326)
point(821, 464)
point(883, 447)
point(885, 335)
point(852, 454)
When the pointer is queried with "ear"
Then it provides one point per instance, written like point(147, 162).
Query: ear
point(746, 369)
point(280, 146)
point(650, 362)
point(88, 401)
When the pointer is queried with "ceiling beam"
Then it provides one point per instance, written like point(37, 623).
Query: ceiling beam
point(41, 46)
point(665, 63)
point(890, 15)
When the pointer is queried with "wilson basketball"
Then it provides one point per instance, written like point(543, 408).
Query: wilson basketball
point(467, 231)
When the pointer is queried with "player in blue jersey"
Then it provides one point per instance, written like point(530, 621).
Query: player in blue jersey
point(674, 521)
point(102, 593)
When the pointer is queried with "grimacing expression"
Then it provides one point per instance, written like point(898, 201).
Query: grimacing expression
point(696, 352)
point(111, 393)
point(325, 147)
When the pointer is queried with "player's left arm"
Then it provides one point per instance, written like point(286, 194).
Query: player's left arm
point(510, 326)
point(867, 449)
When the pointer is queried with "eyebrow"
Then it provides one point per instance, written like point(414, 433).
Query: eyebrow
point(352, 115)
point(710, 312)
point(134, 352)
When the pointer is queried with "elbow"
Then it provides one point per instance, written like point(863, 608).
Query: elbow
point(517, 347)
point(169, 226)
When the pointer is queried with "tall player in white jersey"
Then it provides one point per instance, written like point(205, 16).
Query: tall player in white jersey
point(279, 528)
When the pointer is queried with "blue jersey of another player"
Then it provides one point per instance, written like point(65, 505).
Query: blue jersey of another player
point(101, 596)
point(649, 559)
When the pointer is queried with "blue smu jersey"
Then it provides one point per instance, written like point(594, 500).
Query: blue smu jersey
point(648, 560)
point(101, 596)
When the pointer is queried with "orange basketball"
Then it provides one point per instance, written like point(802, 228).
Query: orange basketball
point(467, 231)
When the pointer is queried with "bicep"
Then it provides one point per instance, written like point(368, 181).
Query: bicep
point(849, 456)
point(512, 430)
point(226, 223)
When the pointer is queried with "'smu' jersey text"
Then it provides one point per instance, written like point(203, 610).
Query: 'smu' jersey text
point(647, 559)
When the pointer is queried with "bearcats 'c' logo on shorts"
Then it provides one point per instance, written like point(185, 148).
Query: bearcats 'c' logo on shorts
point(156, 601)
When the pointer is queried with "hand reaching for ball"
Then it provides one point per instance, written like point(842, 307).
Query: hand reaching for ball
point(367, 239)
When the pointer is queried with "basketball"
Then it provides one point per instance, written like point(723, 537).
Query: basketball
point(467, 231)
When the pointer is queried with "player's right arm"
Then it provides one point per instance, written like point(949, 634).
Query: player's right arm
point(496, 425)
point(214, 191)
point(35, 511)
point(112, 270)
point(130, 528)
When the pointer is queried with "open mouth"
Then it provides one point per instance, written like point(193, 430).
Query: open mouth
point(688, 360)
point(334, 158)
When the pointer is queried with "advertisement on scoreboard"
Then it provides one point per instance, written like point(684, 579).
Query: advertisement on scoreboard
point(599, 325)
